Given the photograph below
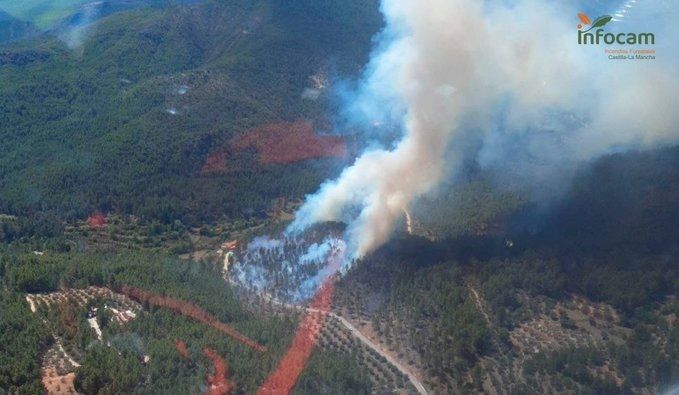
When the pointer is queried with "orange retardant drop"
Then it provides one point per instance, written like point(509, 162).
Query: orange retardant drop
point(189, 310)
point(218, 383)
point(284, 378)
point(180, 346)
point(96, 220)
point(290, 142)
point(215, 162)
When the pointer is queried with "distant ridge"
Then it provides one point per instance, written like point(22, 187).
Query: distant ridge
point(12, 29)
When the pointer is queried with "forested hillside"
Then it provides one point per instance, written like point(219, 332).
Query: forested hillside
point(514, 296)
point(139, 355)
point(141, 164)
point(521, 307)
point(153, 120)
point(52, 16)
point(127, 122)
point(12, 29)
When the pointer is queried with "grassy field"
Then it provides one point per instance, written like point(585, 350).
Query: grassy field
point(42, 13)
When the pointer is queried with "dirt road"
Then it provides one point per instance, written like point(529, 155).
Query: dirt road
point(411, 376)
point(479, 304)
point(374, 346)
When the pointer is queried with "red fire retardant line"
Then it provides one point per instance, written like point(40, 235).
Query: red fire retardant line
point(189, 310)
point(96, 220)
point(218, 383)
point(180, 346)
point(284, 378)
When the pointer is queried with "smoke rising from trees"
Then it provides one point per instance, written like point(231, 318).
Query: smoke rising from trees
point(508, 78)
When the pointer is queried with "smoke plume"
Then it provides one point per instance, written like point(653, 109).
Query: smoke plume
point(508, 77)
point(81, 25)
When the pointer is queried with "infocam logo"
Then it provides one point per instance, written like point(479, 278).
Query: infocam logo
point(599, 36)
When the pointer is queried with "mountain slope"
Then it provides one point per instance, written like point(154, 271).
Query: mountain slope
point(127, 124)
point(12, 29)
point(579, 299)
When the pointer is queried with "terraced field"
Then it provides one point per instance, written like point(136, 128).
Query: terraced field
point(59, 362)
point(334, 334)
point(548, 328)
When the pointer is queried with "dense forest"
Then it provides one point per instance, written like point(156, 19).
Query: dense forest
point(119, 366)
point(126, 123)
point(178, 127)
point(598, 266)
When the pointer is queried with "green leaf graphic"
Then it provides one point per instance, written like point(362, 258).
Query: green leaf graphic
point(600, 22)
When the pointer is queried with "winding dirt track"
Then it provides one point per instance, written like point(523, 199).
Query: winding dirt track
point(411, 376)
point(479, 304)
point(374, 346)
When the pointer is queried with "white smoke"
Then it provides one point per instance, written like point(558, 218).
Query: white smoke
point(511, 76)
point(288, 269)
point(82, 25)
